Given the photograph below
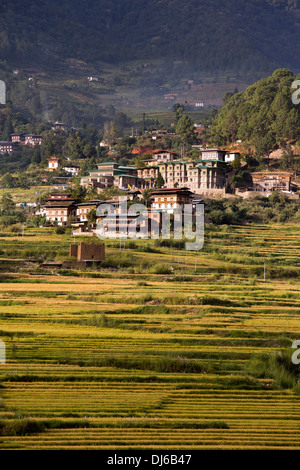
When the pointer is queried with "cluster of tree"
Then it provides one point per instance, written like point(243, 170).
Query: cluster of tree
point(259, 209)
point(263, 115)
point(20, 181)
point(9, 214)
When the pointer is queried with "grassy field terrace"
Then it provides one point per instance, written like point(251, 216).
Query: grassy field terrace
point(154, 349)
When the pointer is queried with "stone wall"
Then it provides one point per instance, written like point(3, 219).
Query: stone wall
point(88, 251)
point(211, 193)
point(252, 194)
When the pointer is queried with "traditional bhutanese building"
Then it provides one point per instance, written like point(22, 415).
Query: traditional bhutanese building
point(83, 208)
point(53, 163)
point(110, 174)
point(197, 175)
point(271, 181)
point(32, 139)
point(7, 147)
point(171, 199)
point(59, 207)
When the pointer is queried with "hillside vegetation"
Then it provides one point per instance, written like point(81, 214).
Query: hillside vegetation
point(263, 115)
point(247, 37)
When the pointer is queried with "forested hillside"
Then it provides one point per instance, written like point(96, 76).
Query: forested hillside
point(249, 38)
point(264, 114)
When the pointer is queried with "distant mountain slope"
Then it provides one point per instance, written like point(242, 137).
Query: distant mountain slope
point(242, 36)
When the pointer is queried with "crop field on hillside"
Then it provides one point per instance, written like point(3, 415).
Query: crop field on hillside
point(153, 350)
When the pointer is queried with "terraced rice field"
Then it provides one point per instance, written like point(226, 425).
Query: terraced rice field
point(134, 359)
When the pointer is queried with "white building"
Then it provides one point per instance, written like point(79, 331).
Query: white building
point(213, 154)
point(72, 169)
point(53, 163)
point(231, 157)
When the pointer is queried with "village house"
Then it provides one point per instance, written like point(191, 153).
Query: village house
point(161, 156)
point(72, 169)
point(7, 147)
point(271, 181)
point(17, 138)
point(53, 163)
point(124, 224)
point(83, 209)
point(59, 208)
point(171, 199)
point(110, 174)
point(59, 126)
point(213, 154)
point(26, 139)
point(158, 134)
point(32, 139)
point(231, 157)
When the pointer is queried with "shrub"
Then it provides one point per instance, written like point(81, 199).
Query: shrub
point(60, 230)
point(68, 272)
point(22, 427)
point(277, 366)
point(160, 268)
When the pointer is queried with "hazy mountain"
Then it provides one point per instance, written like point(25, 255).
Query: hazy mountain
point(246, 37)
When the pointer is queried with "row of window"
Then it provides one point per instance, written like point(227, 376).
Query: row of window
point(59, 219)
point(57, 212)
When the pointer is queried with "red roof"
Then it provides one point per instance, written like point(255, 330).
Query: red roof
point(142, 150)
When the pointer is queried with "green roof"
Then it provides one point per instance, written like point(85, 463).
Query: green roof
point(108, 163)
point(97, 171)
point(128, 176)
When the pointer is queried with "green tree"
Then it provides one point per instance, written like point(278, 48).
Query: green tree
point(8, 181)
point(110, 133)
point(73, 147)
point(139, 162)
point(146, 196)
point(77, 192)
point(185, 130)
point(264, 146)
point(8, 205)
point(159, 180)
point(92, 216)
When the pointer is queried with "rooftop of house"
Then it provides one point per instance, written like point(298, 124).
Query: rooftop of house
point(127, 176)
point(58, 204)
point(212, 150)
point(90, 203)
point(157, 152)
point(184, 190)
point(108, 163)
point(271, 174)
point(33, 135)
